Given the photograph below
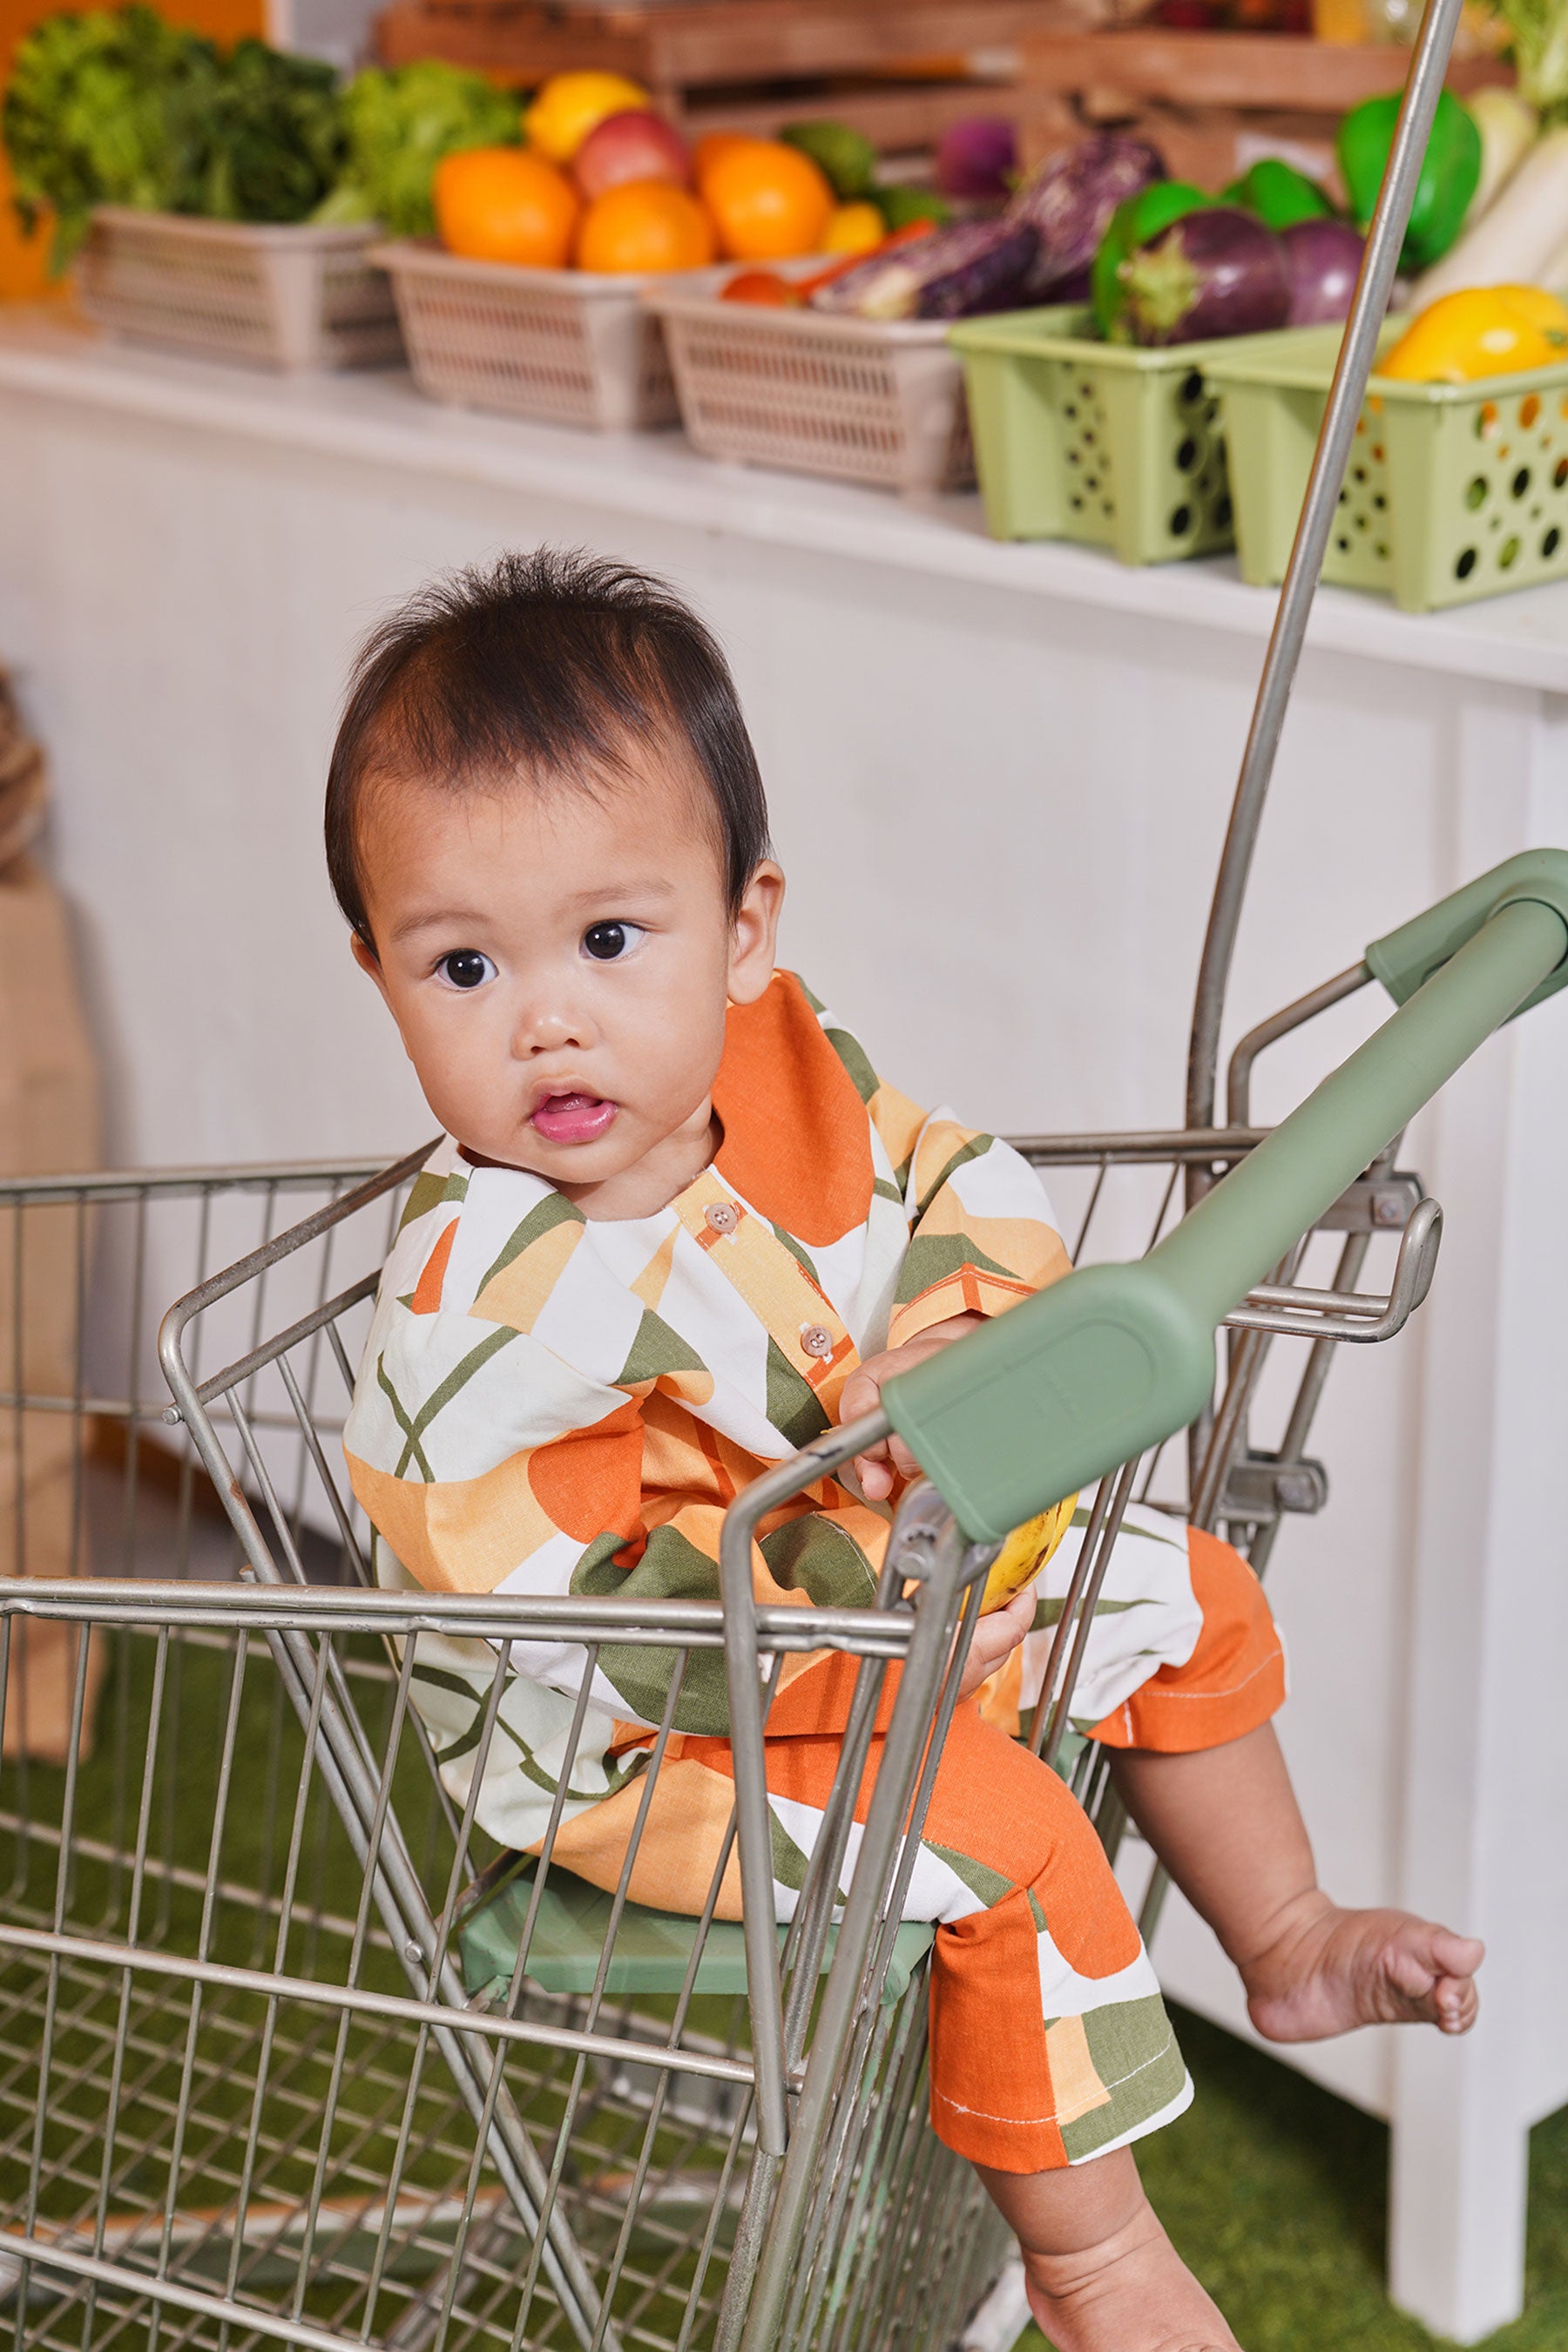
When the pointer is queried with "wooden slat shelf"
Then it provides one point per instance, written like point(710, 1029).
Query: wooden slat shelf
point(888, 64)
point(1211, 101)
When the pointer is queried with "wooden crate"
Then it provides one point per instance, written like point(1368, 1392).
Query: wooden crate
point(1212, 102)
point(897, 70)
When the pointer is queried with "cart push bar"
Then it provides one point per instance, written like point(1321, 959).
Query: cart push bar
point(1065, 1389)
point(1116, 1358)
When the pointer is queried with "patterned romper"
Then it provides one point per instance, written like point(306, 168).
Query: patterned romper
point(549, 1404)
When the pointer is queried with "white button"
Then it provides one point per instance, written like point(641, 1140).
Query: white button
point(722, 1216)
point(816, 1339)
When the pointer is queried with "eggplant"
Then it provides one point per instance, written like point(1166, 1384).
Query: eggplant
point(1134, 225)
point(1217, 271)
point(1070, 201)
point(951, 274)
point(1325, 260)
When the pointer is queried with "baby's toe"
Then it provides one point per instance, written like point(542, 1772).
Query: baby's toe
point(1458, 2003)
point(1458, 1956)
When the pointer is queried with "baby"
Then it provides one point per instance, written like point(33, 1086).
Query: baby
point(677, 1227)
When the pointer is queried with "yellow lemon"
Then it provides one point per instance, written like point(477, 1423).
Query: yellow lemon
point(854, 228)
point(1025, 1553)
point(569, 105)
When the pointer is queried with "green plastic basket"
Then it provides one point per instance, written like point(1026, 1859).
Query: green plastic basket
point(1075, 438)
point(1453, 491)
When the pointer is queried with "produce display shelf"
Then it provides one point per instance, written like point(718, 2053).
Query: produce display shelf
point(294, 298)
point(569, 346)
point(856, 400)
point(1076, 438)
point(1453, 492)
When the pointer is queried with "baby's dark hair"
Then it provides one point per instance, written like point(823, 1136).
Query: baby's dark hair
point(538, 666)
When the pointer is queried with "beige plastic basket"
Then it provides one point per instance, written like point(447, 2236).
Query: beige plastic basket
point(572, 347)
point(287, 297)
point(858, 399)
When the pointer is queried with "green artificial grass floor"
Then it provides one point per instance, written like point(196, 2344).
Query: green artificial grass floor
point(1275, 2193)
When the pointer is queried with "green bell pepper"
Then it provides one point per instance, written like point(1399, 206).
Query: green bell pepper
point(1279, 195)
point(1450, 172)
point(1133, 225)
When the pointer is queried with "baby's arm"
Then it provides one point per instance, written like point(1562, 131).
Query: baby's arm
point(998, 1634)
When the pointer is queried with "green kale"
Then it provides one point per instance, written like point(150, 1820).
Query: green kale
point(268, 138)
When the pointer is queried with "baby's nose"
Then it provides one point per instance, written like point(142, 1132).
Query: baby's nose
point(549, 1026)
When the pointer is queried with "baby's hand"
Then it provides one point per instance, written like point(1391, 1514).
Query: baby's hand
point(878, 1469)
point(995, 1638)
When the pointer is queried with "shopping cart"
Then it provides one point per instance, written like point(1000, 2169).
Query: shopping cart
point(288, 2053)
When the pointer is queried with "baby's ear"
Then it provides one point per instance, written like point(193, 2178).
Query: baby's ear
point(754, 936)
point(364, 955)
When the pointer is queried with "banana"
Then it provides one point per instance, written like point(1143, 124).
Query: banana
point(1025, 1553)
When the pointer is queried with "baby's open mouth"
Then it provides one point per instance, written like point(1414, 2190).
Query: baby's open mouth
point(572, 1118)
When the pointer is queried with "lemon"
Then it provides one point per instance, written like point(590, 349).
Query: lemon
point(1025, 1553)
point(569, 105)
point(853, 228)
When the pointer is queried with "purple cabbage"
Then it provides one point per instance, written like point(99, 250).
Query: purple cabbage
point(1217, 271)
point(953, 274)
point(1069, 201)
point(1325, 260)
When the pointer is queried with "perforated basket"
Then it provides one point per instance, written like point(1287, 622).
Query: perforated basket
point(1453, 492)
point(287, 297)
point(856, 399)
point(1075, 438)
point(569, 346)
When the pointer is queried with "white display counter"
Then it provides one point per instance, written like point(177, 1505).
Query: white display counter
point(999, 778)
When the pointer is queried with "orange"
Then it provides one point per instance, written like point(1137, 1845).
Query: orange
point(501, 204)
point(713, 143)
point(570, 105)
point(768, 200)
point(645, 224)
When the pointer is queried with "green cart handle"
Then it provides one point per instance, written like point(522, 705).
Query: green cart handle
point(1405, 958)
point(1115, 1358)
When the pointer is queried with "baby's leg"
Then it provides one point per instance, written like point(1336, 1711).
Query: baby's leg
point(1050, 2048)
point(1103, 2276)
point(1225, 1823)
point(1180, 1678)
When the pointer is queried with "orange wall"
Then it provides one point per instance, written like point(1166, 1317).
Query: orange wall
point(22, 261)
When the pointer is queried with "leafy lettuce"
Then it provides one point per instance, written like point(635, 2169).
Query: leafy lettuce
point(399, 124)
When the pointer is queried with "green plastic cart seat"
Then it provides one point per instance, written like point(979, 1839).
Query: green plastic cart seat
point(652, 1949)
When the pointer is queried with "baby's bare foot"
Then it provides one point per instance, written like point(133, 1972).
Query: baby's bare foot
point(1131, 2294)
point(1328, 1970)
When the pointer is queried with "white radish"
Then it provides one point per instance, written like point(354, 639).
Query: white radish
point(1508, 127)
point(1519, 237)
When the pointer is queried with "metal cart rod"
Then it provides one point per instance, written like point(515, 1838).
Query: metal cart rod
point(1115, 1358)
point(1380, 262)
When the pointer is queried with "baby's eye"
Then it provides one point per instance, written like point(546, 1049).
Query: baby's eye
point(606, 941)
point(466, 967)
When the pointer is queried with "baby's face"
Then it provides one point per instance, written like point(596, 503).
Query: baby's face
point(558, 964)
